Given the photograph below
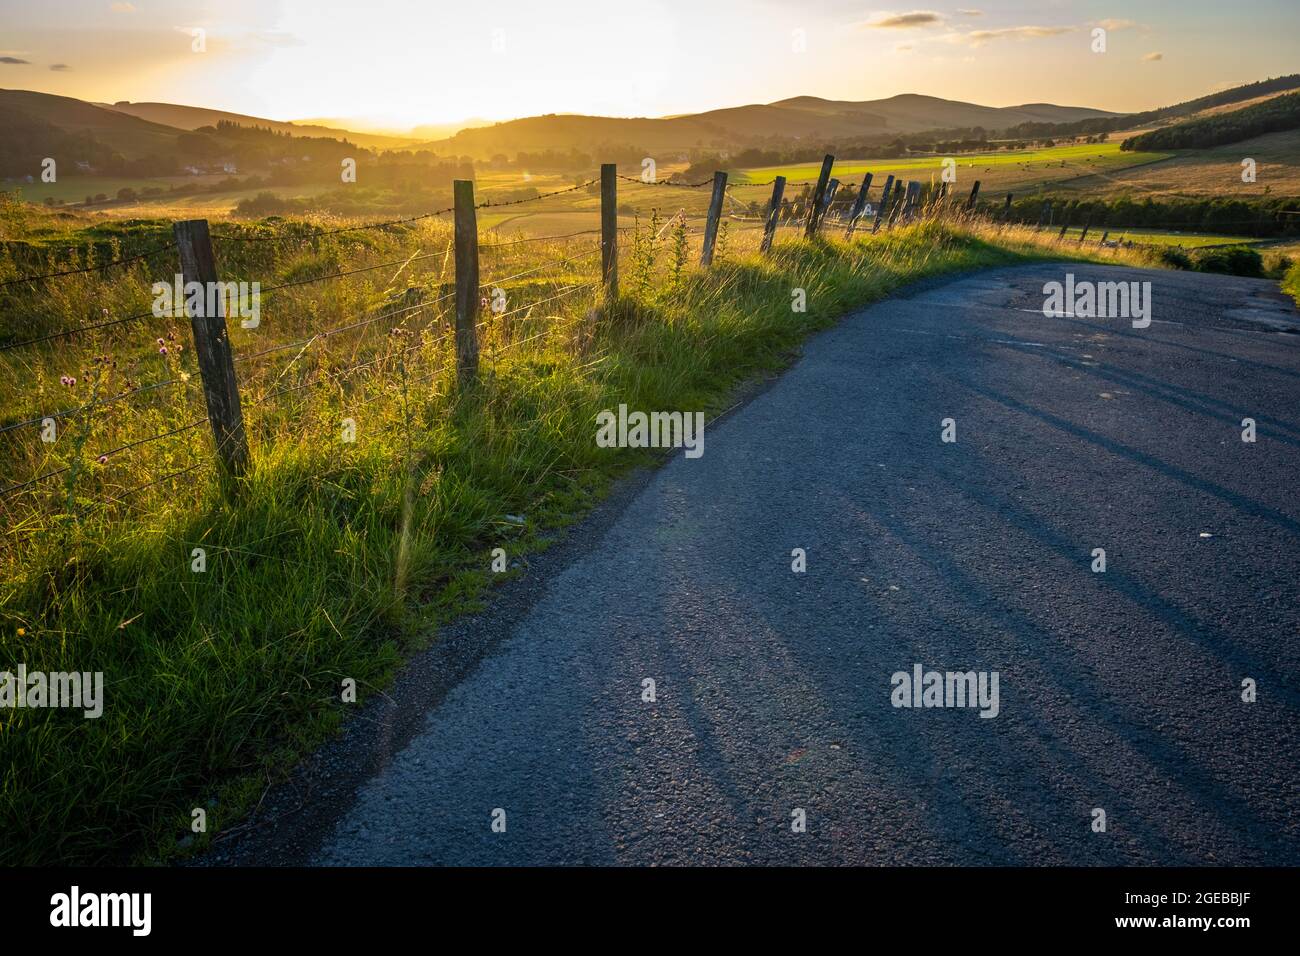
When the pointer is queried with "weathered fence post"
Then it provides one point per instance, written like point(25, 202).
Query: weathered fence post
point(819, 194)
point(715, 213)
point(1084, 235)
point(212, 345)
point(1065, 224)
point(831, 188)
point(910, 197)
point(974, 195)
point(467, 297)
point(773, 214)
point(1006, 210)
point(858, 205)
point(609, 229)
point(1042, 215)
point(884, 201)
point(1104, 235)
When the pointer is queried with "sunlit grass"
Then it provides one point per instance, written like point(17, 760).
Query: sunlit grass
point(331, 559)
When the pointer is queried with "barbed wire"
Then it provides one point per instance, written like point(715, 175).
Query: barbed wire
point(6, 492)
point(89, 405)
point(665, 182)
point(73, 272)
point(203, 460)
point(545, 265)
point(82, 328)
point(401, 221)
point(94, 326)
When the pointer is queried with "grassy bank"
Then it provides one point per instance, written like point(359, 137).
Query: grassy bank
point(333, 559)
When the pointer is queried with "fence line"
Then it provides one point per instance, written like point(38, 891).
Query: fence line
point(899, 202)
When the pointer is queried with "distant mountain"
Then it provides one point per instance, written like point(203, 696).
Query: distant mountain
point(800, 117)
point(193, 117)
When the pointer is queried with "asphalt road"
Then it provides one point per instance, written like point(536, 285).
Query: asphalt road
point(1119, 690)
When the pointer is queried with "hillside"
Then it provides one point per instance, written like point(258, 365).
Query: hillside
point(193, 117)
point(130, 136)
point(912, 112)
point(1269, 116)
point(802, 117)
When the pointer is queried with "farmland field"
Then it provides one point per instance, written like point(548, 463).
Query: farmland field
point(1201, 172)
point(997, 171)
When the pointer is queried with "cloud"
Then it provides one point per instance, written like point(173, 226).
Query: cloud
point(14, 61)
point(981, 37)
point(1152, 57)
point(906, 21)
point(1111, 23)
point(60, 67)
point(122, 7)
point(970, 13)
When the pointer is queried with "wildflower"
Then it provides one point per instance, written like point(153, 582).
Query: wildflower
point(103, 459)
point(162, 341)
point(163, 350)
point(22, 632)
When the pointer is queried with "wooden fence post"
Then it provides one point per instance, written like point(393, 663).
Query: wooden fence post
point(1042, 215)
point(1103, 237)
point(1065, 224)
point(831, 188)
point(884, 201)
point(467, 297)
point(773, 213)
point(609, 229)
point(715, 213)
point(859, 204)
point(1006, 210)
point(974, 195)
point(910, 198)
point(1084, 235)
point(818, 195)
point(212, 346)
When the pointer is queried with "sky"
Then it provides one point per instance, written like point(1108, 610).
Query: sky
point(400, 63)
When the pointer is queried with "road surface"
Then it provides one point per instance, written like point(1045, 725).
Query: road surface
point(1119, 691)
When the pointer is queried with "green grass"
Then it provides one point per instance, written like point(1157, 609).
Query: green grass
point(333, 560)
point(998, 170)
point(1156, 237)
point(1291, 282)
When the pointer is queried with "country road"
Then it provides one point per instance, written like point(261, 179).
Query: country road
point(1118, 690)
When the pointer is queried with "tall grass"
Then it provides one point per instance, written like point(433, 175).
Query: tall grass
point(331, 560)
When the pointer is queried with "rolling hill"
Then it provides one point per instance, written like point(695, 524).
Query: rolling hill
point(131, 136)
point(801, 117)
point(193, 117)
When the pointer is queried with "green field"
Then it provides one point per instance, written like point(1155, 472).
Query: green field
point(997, 171)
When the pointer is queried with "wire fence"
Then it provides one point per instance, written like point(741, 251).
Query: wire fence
point(436, 314)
